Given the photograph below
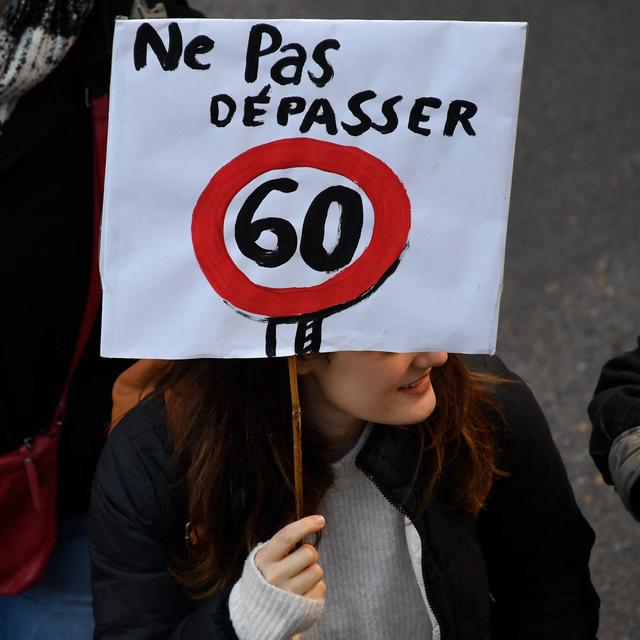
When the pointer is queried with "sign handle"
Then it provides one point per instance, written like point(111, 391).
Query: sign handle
point(296, 419)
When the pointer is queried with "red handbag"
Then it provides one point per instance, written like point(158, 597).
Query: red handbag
point(28, 485)
point(29, 475)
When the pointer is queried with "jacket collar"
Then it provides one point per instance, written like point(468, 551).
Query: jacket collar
point(389, 458)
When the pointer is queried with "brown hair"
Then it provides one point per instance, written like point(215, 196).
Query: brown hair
point(230, 422)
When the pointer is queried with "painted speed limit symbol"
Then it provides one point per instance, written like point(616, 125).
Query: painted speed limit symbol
point(349, 277)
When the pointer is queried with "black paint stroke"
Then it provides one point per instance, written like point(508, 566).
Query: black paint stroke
point(270, 333)
point(247, 231)
point(460, 111)
point(308, 336)
point(147, 36)
point(350, 228)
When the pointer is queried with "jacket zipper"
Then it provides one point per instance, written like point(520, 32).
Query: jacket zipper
point(403, 511)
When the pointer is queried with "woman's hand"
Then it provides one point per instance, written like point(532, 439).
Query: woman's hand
point(296, 571)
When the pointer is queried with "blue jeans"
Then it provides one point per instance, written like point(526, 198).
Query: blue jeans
point(59, 606)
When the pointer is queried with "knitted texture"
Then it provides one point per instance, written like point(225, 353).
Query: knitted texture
point(260, 611)
point(35, 35)
point(373, 592)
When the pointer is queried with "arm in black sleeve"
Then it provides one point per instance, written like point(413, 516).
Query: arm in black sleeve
point(135, 528)
point(615, 419)
point(535, 540)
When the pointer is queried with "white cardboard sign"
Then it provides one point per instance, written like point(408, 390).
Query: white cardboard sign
point(291, 185)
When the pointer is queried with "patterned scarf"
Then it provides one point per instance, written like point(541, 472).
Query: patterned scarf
point(35, 35)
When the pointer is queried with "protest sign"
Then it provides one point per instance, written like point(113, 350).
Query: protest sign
point(285, 186)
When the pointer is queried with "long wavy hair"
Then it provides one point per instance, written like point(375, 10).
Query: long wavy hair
point(230, 423)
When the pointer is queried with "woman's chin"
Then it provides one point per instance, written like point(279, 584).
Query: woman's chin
point(418, 409)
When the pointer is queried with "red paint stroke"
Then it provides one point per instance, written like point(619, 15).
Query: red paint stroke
point(392, 221)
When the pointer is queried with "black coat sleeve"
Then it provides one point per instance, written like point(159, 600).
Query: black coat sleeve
point(135, 530)
point(615, 407)
point(535, 541)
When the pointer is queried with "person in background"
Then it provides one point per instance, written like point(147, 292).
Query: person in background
point(55, 57)
point(615, 417)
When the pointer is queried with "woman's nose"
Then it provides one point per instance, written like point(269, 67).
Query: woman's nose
point(426, 359)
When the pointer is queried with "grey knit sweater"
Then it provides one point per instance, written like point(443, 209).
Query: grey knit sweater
point(373, 591)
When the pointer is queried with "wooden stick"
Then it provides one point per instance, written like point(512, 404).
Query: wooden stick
point(296, 419)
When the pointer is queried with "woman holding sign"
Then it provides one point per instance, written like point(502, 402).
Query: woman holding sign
point(444, 507)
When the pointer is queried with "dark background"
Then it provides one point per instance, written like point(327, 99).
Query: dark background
point(572, 282)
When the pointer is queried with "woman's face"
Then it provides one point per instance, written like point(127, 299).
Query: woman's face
point(370, 386)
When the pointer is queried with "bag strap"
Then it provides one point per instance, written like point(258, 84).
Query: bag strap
point(99, 115)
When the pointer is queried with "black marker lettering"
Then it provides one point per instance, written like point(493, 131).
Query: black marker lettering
point(349, 229)
point(320, 112)
point(295, 61)
point(247, 231)
point(460, 111)
point(255, 50)
point(199, 45)
point(355, 107)
point(289, 107)
point(319, 56)
point(390, 114)
point(250, 109)
point(417, 114)
point(214, 109)
point(147, 36)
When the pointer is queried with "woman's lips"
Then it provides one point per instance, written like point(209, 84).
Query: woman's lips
point(418, 387)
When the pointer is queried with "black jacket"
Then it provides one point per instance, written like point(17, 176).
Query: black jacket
point(520, 571)
point(614, 410)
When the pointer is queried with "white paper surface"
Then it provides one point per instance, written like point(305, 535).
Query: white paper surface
point(163, 151)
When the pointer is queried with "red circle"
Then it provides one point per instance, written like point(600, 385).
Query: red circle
point(392, 221)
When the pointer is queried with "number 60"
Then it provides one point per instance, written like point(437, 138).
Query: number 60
point(312, 251)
